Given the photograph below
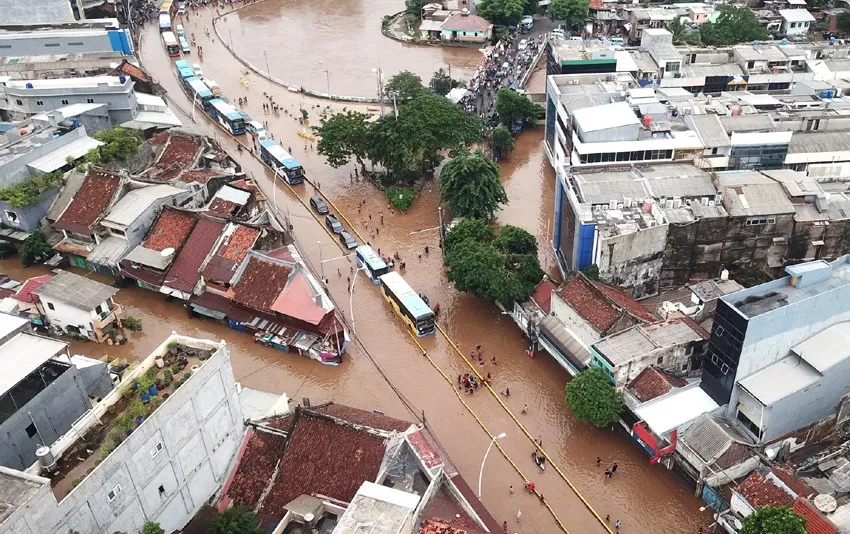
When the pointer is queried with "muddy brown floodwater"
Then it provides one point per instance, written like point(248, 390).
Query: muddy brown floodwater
point(647, 499)
point(304, 38)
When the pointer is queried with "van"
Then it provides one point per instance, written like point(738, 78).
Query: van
point(257, 130)
point(184, 46)
point(617, 41)
point(180, 31)
point(557, 33)
point(213, 86)
point(576, 38)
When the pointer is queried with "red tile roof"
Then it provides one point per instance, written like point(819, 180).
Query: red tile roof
point(542, 295)
point(170, 230)
point(260, 283)
point(437, 526)
point(132, 70)
point(759, 491)
point(297, 300)
point(324, 457)
point(25, 293)
point(201, 176)
point(159, 139)
point(236, 246)
point(363, 417)
point(224, 207)
point(466, 22)
point(816, 523)
point(250, 186)
point(90, 202)
point(601, 305)
point(596, 4)
point(186, 269)
point(179, 154)
point(262, 453)
point(652, 383)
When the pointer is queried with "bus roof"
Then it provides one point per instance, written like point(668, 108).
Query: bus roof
point(281, 155)
point(371, 257)
point(226, 108)
point(186, 72)
point(181, 63)
point(398, 287)
point(197, 85)
point(169, 38)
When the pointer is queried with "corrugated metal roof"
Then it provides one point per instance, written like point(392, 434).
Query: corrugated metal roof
point(136, 202)
point(22, 355)
point(232, 194)
point(683, 186)
point(802, 142)
point(757, 199)
point(72, 184)
point(606, 116)
point(710, 131)
point(109, 252)
point(59, 157)
point(76, 291)
point(756, 122)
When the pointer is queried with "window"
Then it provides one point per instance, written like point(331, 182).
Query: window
point(719, 331)
point(724, 369)
point(759, 222)
point(39, 102)
point(64, 101)
point(19, 102)
point(162, 491)
point(156, 449)
point(12, 216)
point(31, 430)
point(76, 43)
point(99, 309)
point(659, 360)
point(685, 367)
point(51, 45)
point(90, 100)
point(50, 306)
point(116, 491)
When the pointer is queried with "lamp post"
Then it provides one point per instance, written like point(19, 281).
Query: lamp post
point(328, 78)
point(194, 100)
point(440, 213)
point(481, 471)
point(351, 299)
point(394, 94)
point(268, 70)
point(380, 77)
point(321, 263)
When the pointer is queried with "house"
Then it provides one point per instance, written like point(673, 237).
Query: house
point(78, 221)
point(183, 278)
point(674, 345)
point(715, 451)
point(229, 202)
point(148, 262)
point(28, 303)
point(326, 466)
point(127, 222)
point(165, 471)
point(583, 312)
point(796, 22)
point(466, 28)
point(80, 306)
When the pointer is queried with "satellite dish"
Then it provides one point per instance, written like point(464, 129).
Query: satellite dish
point(166, 252)
point(308, 517)
point(825, 503)
point(737, 523)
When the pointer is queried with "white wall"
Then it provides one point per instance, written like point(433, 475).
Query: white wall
point(200, 427)
point(63, 315)
point(573, 321)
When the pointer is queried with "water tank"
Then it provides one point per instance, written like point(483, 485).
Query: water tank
point(28, 85)
point(75, 123)
point(736, 110)
point(724, 274)
point(122, 79)
point(647, 120)
point(45, 459)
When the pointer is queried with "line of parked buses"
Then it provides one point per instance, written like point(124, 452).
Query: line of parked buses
point(206, 94)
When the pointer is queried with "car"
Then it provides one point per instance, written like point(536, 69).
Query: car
point(319, 205)
point(184, 46)
point(528, 21)
point(346, 239)
point(181, 32)
point(332, 222)
point(197, 69)
point(522, 45)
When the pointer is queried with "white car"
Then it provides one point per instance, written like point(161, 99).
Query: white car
point(197, 68)
point(522, 45)
point(527, 20)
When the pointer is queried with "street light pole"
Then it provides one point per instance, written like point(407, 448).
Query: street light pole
point(440, 213)
point(328, 77)
point(194, 99)
point(481, 471)
point(351, 299)
point(321, 263)
point(380, 75)
point(395, 104)
point(268, 70)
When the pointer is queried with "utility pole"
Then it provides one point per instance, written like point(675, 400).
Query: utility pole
point(380, 75)
point(328, 77)
point(268, 70)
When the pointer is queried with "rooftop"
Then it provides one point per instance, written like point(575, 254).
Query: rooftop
point(69, 83)
point(606, 116)
point(136, 202)
point(261, 281)
point(760, 490)
point(16, 490)
point(642, 340)
point(170, 230)
point(711, 437)
point(24, 354)
point(9, 324)
point(385, 510)
point(796, 15)
point(76, 291)
point(238, 241)
point(710, 130)
point(755, 199)
point(816, 523)
point(466, 22)
point(652, 383)
point(38, 11)
point(89, 204)
point(186, 269)
point(807, 142)
point(179, 154)
point(673, 410)
point(600, 305)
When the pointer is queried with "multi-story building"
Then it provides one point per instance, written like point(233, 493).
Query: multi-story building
point(37, 42)
point(20, 99)
point(80, 306)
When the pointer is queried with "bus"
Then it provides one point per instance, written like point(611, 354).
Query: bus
point(164, 22)
point(407, 304)
point(368, 260)
point(171, 44)
point(168, 7)
point(212, 86)
point(198, 90)
point(228, 116)
point(282, 161)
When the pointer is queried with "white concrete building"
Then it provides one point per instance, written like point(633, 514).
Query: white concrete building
point(165, 471)
point(20, 99)
point(79, 305)
point(796, 22)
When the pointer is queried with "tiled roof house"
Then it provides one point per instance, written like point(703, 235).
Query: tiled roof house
point(652, 383)
point(98, 191)
point(149, 262)
point(185, 273)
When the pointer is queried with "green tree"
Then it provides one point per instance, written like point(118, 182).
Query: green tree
point(733, 25)
point(844, 21)
point(121, 143)
point(414, 7)
point(572, 12)
point(35, 248)
point(681, 33)
point(592, 272)
point(592, 399)
point(470, 183)
point(504, 12)
point(503, 141)
point(400, 197)
point(774, 520)
point(151, 528)
point(235, 520)
point(531, 7)
point(513, 107)
point(30, 190)
point(406, 84)
point(342, 137)
point(442, 83)
point(499, 268)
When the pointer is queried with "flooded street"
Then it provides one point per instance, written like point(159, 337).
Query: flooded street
point(645, 498)
point(345, 40)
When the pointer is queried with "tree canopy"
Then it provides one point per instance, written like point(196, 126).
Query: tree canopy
point(592, 399)
point(733, 25)
point(151, 528)
point(573, 12)
point(35, 248)
point(29, 190)
point(504, 12)
point(442, 83)
point(414, 7)
point(774, 520)
point(343, 136)
point(121, 143)
point(681, 33)
point(406, 85)
point(503, 141)
point(513, 107)
point(844, 21)
point(470, 183)
point(235, 520)
point(488, 265)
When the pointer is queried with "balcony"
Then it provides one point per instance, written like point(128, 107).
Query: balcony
point(109, 317)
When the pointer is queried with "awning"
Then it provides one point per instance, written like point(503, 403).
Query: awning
point(59, 157)
point(305, 341)
point(569, 351)
point(208, 312)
